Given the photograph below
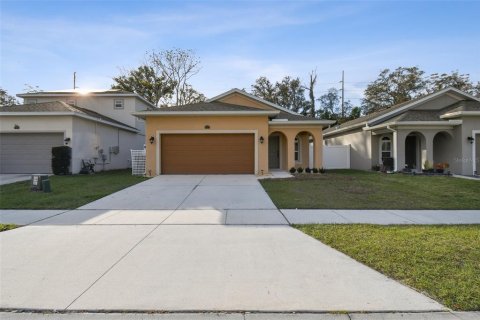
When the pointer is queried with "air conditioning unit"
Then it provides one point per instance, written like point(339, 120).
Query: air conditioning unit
point(114, 149)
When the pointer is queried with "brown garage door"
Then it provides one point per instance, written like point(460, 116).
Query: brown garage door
point(207, 153)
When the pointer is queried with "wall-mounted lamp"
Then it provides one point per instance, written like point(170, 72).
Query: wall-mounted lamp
point(67, 140)
point(152, 139)
point(16, 127)
point(207, 126)
point(261, 139)
point(471, 139)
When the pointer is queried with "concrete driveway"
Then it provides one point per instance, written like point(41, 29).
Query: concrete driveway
point(179, 255)
point(7, 178)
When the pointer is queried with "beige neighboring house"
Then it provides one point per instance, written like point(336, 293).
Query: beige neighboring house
point(232, 133)
point(98, 126)
point(442, 127)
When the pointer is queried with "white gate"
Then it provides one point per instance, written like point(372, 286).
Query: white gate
point(138, 162)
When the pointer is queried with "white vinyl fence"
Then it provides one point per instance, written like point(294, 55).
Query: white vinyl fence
point(336, 157)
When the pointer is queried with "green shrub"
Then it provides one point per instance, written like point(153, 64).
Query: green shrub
point(299, 169)
point(293, 170)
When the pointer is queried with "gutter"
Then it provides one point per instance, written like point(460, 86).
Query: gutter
point(414, 123)
point(349, 128)
point(460, 114)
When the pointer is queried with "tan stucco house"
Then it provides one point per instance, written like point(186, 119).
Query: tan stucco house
point(442, 127)
point(97, 125)
point(232, 133)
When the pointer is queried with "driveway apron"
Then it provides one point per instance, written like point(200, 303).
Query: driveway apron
point(187, 243)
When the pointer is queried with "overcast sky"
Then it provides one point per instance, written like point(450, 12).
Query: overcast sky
point(44, 42)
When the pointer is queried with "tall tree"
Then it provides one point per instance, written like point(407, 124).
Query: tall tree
point(393, 87)
point(265, 89)
point(462, 82)
point(178, 65)
point(329, 105)
point(6, 99)
point(311, 94)
point(146, 82)
point(291, 94)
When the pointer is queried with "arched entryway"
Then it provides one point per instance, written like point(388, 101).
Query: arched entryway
point(277, 155)
point(415, 150)
point(304, 150)
point(442, 146)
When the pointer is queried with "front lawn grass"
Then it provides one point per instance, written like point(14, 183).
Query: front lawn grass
point(354, 189)
point(68, 192)
point(6, 227)
point(442, 261)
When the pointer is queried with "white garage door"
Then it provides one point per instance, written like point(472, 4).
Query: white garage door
point(28, 152)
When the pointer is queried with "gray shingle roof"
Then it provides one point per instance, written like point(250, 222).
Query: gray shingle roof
point(221, 106)
point(60, 106)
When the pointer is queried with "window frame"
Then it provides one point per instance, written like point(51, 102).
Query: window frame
point(115, 104)
point(297, 150)
point(388, 142)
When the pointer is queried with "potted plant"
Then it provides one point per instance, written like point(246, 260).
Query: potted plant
point(308, 170)
point(322, 170)
point(293, 170)
point(427, 167)
point(439, 167)
point(315, 170)
point(299, 169)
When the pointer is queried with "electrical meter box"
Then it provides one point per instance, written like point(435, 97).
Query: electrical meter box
point(36, 182)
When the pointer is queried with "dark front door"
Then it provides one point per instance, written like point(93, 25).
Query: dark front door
point(274, 152)
point(411, 152)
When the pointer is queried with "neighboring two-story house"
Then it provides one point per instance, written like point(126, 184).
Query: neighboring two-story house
point(97, 125)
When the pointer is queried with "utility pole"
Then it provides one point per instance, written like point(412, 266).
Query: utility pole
point(74, 81)
point(343, 94)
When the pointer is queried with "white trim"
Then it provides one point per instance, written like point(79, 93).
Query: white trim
point(474, 151)
point(324, 123)
point(204, 113)
point(158, 134)
point(72, 114)
point(299, 150)
point(251, 96)
point(449, 123)
point(460, 114)
point(395, 151)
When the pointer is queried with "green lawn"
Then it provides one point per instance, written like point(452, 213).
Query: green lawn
point(6, 227)
point(353, 189)
point(68, 192)
point(441, 261)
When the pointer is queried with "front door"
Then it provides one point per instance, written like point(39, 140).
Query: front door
point(274, 152)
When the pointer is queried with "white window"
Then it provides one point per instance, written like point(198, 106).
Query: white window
point(30, 101)
point(118, 103)
point(297, 149)
point(386, 148)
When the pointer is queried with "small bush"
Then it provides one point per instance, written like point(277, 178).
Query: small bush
point(322, 170)
point(292, 170)
point(299, 169)
point(61, 160)
point(315, 170)
point(376, 167)
point(308, 170)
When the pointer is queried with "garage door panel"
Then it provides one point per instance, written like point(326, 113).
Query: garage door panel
point(27, 152)
point(207, 153)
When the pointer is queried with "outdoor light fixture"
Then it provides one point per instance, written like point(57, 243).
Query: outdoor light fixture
point(471, 139)
point(152, 139)
point(16, 127)
point(66, 140)
point(261, 139)
point(207, 126)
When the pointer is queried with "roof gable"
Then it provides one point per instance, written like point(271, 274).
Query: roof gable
point(237, 96)
point(433, 102)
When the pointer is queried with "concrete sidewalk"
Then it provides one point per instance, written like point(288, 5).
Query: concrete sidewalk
point(244, 316)
point(381, 217)
point(7, 178)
